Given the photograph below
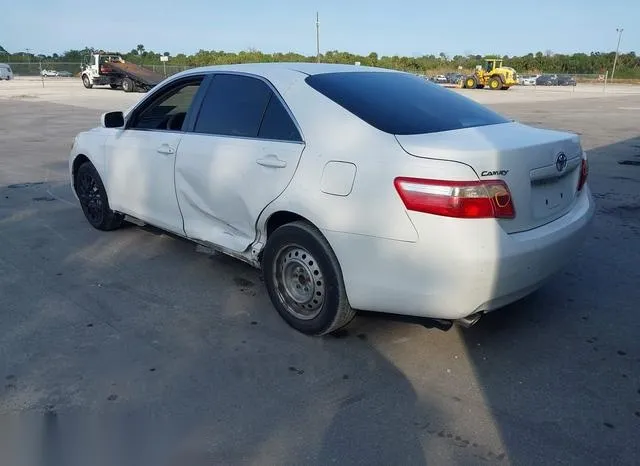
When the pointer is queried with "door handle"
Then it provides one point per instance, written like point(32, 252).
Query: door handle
point(166, 149)
point(271, 161)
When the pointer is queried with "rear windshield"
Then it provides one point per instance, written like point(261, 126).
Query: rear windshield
point(402, 103)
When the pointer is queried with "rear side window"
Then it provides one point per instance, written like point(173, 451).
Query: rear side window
point(233, 106)
point(277, 124)
point(402, 103)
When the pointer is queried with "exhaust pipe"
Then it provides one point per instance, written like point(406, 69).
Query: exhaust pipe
point(468, 321)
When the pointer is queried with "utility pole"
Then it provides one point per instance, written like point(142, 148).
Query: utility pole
point(615, 60)
point(317, 37)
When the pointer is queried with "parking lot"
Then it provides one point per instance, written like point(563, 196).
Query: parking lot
point(133, 344)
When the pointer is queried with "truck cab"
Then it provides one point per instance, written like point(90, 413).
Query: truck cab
point(96, 71)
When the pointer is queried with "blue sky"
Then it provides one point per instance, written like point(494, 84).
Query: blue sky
point(403, 27)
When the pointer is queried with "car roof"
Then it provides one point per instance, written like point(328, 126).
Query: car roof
point(293, 67)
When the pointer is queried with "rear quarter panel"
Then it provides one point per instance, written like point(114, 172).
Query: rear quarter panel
point(373, 207)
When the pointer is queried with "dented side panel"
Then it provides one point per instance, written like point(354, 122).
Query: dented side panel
point(224, 183)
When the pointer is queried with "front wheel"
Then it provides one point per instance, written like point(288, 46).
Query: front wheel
point(470, 83)
point(93, 199)
point(304, 280)
point(86, 81)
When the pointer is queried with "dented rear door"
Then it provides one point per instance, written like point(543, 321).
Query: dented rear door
point(240, 155)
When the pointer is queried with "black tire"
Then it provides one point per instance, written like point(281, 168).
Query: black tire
point(495, 83)
point(470, 82)
point(86, 81)
point(114, 86)
point(324, 307)
point(127, 85)
point(93, 199)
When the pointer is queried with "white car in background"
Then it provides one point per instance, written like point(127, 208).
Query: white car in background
point(528, 80)
point(6, 73)
point(352, 188)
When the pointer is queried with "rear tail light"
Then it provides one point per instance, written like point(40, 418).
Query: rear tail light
point(462, 199)
point(584, 173)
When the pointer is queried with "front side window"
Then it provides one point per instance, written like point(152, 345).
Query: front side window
point(169, 110)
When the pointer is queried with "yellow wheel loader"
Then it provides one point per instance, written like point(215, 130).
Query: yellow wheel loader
point(493, 75)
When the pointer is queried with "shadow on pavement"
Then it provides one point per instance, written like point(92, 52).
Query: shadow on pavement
point(567, 386)
point(129, 346)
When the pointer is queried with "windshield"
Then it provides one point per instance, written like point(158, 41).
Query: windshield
point(401, 103)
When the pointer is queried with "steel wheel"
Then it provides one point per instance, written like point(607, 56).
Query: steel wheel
point(304, 280)
point(127, 85)
point(299, 281)
point(90, 197)
point(86, 81)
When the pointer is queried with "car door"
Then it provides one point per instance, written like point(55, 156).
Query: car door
point(140, 159)
point(239, 156)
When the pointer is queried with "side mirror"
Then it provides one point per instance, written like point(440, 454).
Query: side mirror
point(112, 120)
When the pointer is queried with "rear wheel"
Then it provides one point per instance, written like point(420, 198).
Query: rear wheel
point(495, 83)
point(304, 280)
point(86, 81)
point(93, 199)
point(127, 85)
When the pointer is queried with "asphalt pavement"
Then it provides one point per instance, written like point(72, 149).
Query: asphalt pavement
point(130, 347)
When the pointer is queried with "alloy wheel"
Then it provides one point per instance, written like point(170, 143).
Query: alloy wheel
point(90, 197)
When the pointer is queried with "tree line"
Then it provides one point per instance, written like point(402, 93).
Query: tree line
point(628, 65)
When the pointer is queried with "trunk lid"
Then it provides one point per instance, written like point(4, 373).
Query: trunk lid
point(543, 183)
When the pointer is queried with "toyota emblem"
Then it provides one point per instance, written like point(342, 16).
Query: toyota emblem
point(561, 161)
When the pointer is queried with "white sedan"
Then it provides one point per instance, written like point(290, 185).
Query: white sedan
point(528, 80)
point(352, 188)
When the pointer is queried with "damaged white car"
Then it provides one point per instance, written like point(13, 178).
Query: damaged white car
point(352, 188)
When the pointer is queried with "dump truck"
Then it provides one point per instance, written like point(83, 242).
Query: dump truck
point(493, 75)
point(109, 69)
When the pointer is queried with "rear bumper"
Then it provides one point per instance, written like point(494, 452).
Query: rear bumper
point(460, 267)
